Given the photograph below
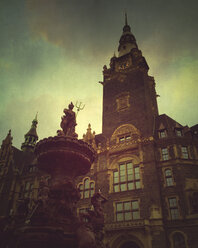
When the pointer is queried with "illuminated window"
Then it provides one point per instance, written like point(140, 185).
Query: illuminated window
point(179, 240)
point(86, 188)
point(168, 177)
point(128, 210)
point(165, 155)
point(127, 177)
point(162, 133)
point(174, 211)
point(184, 150)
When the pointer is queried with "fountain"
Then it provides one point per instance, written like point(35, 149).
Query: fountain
point(52, 221)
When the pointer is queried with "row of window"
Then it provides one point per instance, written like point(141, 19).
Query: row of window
point(165, 153)
point(130, 210)
point(163, 133)
point(127, 177)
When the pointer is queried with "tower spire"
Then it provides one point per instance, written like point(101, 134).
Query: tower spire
point(126, 21)
point(31, 136)
point(127, 40)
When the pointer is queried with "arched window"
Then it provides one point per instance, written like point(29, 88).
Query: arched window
point(87, 188)
point(168, 177)
point(179, 240)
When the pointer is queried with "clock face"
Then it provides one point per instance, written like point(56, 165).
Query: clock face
point(123, 65)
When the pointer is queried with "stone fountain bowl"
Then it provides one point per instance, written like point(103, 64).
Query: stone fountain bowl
point(64, 154)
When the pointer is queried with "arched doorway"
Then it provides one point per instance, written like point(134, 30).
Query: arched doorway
point(130, 244)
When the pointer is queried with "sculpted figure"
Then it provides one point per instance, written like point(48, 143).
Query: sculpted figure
point(68, 122)
point(43, 191)
point(91, 234)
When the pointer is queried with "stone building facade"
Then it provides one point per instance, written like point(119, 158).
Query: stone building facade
point(147, 164)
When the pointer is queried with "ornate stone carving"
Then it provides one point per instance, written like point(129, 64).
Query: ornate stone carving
point(95, 222)
point(126, 129)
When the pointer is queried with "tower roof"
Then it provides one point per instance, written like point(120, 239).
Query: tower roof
point(32, 131)
point(127, 40)
point(8, 139)
point(31, 137)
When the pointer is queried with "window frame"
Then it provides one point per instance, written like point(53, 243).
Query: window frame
point(135, 177)
point(184, 152)
point(167, 177)
point(178, 132)
point(164, 132)
point(165, 156)
point(124, 211)
point(173, 208)
point(124, 138)
point(90, 190)
point(171, 238)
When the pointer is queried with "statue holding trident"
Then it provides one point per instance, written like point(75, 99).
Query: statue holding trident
point(68, 122)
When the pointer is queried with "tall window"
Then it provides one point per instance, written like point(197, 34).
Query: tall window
point(128, 210)
point(127, 177)
point(165, 155)
point(86, 188)
point(168, 177)
point(184, 150)
point(174, 211)
point(179, 240)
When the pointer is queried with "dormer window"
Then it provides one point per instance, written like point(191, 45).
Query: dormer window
point(178, 132)
point(124, 138)
point(162, 133)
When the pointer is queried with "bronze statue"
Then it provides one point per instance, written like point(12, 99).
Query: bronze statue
point(68, 122)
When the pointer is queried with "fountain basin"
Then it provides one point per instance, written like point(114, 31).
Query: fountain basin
point(64, 155)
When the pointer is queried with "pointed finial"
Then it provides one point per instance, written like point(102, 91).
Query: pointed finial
point(126, 21)
point(35, 120)
point(36, 117)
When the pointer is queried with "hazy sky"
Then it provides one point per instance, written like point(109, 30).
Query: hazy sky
point(52, 52)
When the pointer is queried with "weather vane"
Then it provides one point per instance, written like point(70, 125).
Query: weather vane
point(79, 106)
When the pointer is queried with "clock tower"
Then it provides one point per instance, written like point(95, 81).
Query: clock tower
point(129, 95)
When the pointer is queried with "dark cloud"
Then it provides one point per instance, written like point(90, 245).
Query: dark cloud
point(52, 52)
